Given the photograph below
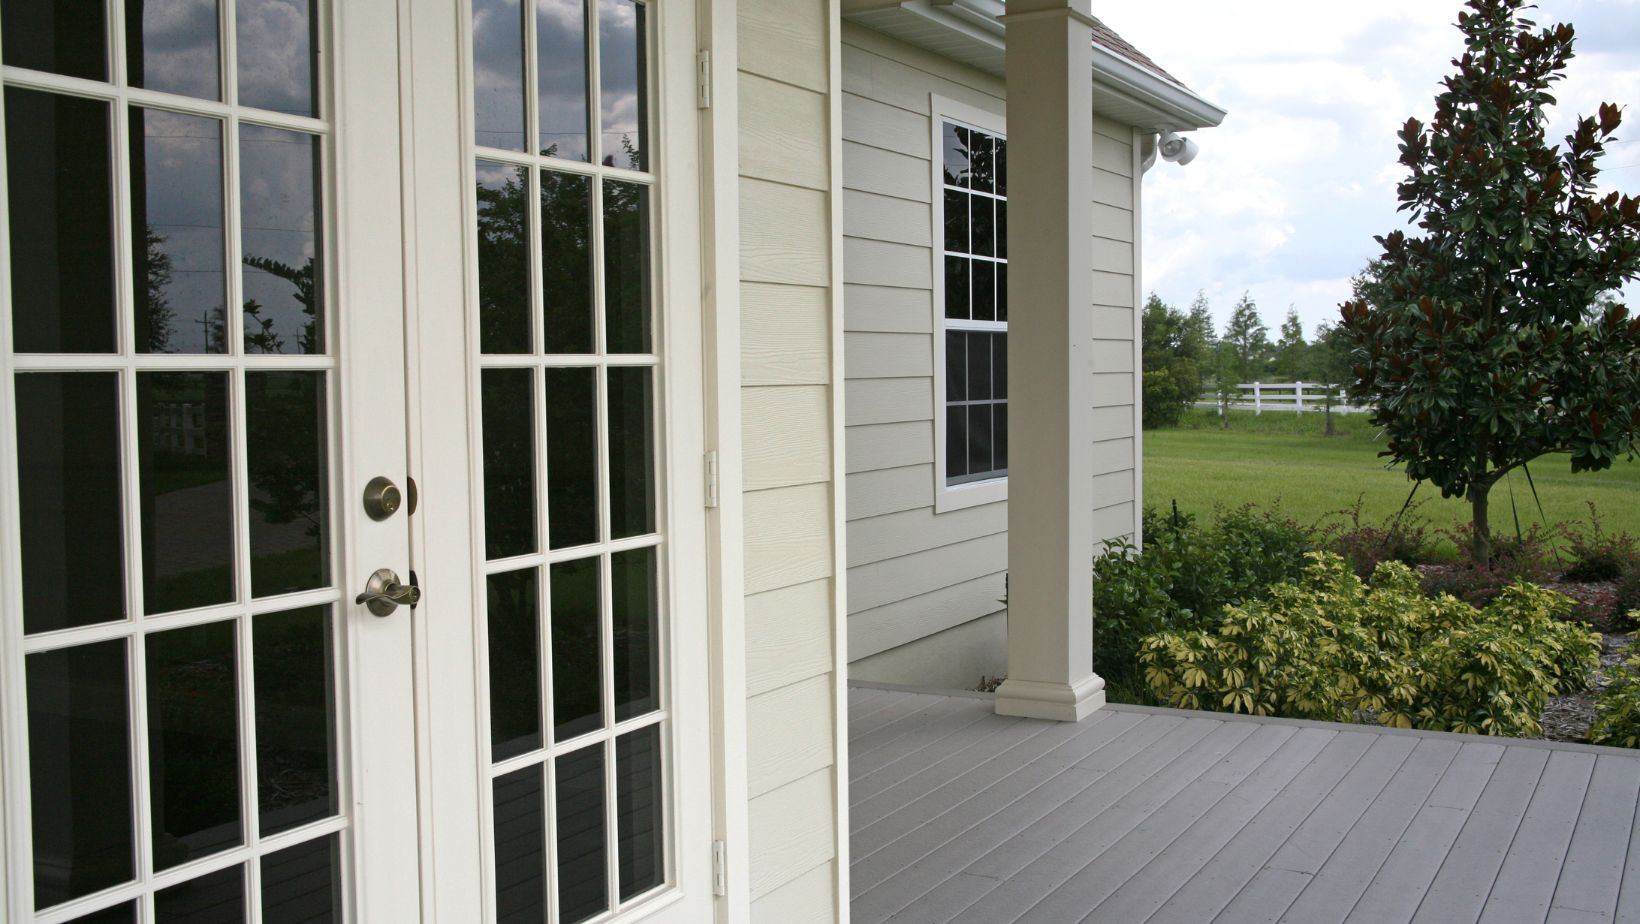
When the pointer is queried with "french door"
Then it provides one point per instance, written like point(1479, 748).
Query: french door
point(265, 257)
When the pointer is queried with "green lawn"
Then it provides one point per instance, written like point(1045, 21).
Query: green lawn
point(1284, 457)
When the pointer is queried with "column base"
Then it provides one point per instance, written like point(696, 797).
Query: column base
point(1059, 702)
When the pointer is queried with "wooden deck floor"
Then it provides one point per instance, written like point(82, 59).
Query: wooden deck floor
point(1158, 815)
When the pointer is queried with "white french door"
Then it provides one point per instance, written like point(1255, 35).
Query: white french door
point(261, 255)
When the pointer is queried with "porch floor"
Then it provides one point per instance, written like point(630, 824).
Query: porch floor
point(1161, 815)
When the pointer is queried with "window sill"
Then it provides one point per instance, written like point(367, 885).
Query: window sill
point(975, 494)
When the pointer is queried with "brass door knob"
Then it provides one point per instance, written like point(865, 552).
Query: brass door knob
point(383, 593)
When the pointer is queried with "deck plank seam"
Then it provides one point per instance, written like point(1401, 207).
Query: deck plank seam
point(1470, 820)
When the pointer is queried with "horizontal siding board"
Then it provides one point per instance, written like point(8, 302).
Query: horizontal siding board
point(876, 124)
point(790, 832)
point(1112, 321)
point(876, 401)
point(888, 309)
point(1113, 289)
point(1112, 389)
point(872, 494)
point(783, 236)
point(885, 582)
point(788, 536)
point(785, 334)
point(870, 69)
point(785, 435)
point(1112, 222)
point(788, 636)
point(891, 625)
point(783, 40)
point(777, 137)
point(878, 263)
point(811, 898)
point(883, 446)
point(788, 734)
point(1113, 455)
point(886, 172)
point(1113, 256)
point(876, 217)
point(1113, 488)
point(1112, 154)
point(1112, 356)
point(1111, 423)
point(1117, 522)
point(1111, 189)
point(887, 356)
point(897, 534)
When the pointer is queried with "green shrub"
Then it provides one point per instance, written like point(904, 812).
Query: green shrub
point(1617, 711)
point(1403, 537)
point(1627, 597)
point(1596, 554)
point(1333, 648)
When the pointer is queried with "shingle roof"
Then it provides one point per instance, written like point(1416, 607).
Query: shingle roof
point(1106, 37)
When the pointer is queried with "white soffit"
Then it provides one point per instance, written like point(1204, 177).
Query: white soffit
point(969, 31)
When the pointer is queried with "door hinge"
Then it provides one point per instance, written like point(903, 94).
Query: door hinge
point(720, 868)
point(711, 479)
point(703, 79)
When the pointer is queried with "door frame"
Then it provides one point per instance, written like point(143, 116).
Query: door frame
point(439, 216)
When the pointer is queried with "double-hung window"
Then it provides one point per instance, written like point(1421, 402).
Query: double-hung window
point(972, 394)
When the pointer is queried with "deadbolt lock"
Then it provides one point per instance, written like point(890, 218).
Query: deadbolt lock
point(381, 498)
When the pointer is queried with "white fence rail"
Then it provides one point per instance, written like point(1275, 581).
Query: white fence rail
point(1292, 397)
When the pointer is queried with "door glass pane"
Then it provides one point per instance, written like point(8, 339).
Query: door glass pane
point(173, 46)
point(509, 462)
point(303, 884)
point(572, 456)
point(626, 267)
point(119, 914)
point(638, 804)
point(498, 73)
point(59, 189)
point(60, 36)
point(293, 656)
point(623, 85)
point(277, 41)
point(279, 239)
point(288, 468)
point(187, 497)
point(68, 470)
point(79, 753)
point(178, 247)
point(635, 586)
point(214, 898)
point(577, 648)
point(515, 664)
point(503, 259)
point(566, 262)
point(582, 873)
point(520, 847)
point(631, 452)
point(561, 77)
point(193, 743)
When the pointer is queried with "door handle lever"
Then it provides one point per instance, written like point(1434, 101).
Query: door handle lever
point(383, 593)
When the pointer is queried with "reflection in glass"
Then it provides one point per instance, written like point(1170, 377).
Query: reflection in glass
point(956, 365)
point(579, 813)
point(956, 221)
point(59, 194)
point(176, 199)
point(572, 456)
point(79, 753)
point(956, 441)
point(509, 462)
point(503, 259)
point(279, 240)
point(498, 73)
point(626, 267)
point(984, 164)
point(1002, 292)
point(566, 262)
point(119, 914)
point(577, 704)
point(956, 287)
point(277, 39)
point(303, 884)
point(984, 291)
point(634, 582)
point(561, 77)
point(979, 439)
point(999, 365)
point(214, 898)
point(984, 234)
point(68, 470)
point(289, 500)
point(999, 437)
point(193, 742)
point(60, 36)
point(954, 140)
point(520, 847)
point(513, 617)
point(631, 451)
point(295, 700)
point(640, 828)
point(186, 494)
point(623, 82)
point(173, 46)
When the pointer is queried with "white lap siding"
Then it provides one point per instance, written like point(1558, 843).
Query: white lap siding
point(914, 572)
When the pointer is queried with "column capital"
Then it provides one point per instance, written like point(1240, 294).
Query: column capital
point(1079, 11)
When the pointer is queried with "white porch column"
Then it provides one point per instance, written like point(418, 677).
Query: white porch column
point(1050, 342)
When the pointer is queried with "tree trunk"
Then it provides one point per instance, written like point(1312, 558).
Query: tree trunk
point(1481, 549)
point(1330, 431)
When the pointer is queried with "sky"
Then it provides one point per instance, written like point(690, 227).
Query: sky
point(1286, 196)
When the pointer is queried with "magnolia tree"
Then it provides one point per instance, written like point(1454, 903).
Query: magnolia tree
point(1488, 338)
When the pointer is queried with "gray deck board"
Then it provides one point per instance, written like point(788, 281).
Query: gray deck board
point(1176, 817)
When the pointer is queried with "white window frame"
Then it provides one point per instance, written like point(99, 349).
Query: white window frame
point(941, 110)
